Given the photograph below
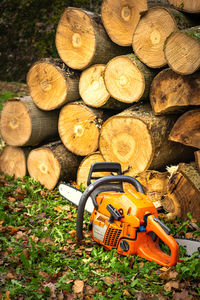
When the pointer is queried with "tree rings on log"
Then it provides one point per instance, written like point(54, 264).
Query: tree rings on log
point(51, 163)
point(79, 128)
point(120, 19)
point(186, 130)
point(51, 84)
point(13, 161)
point(23, 124)
point(150, 34)
point(138, 140)
point(93, 90)
point(182, 50)
point(81, 39)
point(171, 92)
point(190, 6)
point(127, 79)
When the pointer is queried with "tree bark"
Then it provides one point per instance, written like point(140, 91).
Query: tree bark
point(186, 130)
point(183, 195)
point(79, 127)
point(24, 124)
point(13, 161)
point(51, 84)
point(127, 79)
point(84, 168)
point(138, 140)
point(197, 159)
point(120, 19)
point(153, 29)
point(190, 6)
point(93, 90)
point(51, 163)
point(171, 92)
point(81, 39)
point(182, 50)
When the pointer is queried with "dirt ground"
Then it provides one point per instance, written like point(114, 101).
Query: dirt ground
point(14, 87)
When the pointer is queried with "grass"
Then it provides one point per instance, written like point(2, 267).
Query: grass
point(41, 259)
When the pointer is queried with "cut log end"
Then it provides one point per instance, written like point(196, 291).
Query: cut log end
point(124, 80)
point(47, 85)
point(120, 19)
point(16, 125)
point(44, 167)
point(92, 88)
point(150, 35)
point(133, 148)
point(84, 168)
point(186, 129)
point(75, 38)
point(78, 129)
point(182, 53)
point(171, 92)
point(13, 162)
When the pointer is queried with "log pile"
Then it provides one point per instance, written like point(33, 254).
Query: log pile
point(106, 99)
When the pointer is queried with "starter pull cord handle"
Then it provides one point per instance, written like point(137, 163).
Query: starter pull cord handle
point(90, 189)
point(151, 250)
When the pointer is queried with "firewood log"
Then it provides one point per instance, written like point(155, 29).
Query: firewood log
point(154, 184)
point(84, 168)
point(171, 92)
point(120, 19)
point(24, 124)
point(13, 161)
point(153, 29)
point(79, 127)
point(51, 84)
point(182, 50)
point(51, 163)
point(190, 6)
point(127, 79)
point(197, 159)
point(93, 90)
point(186, 130)
point(81, 39)
point(183, 193)
point(138, 140)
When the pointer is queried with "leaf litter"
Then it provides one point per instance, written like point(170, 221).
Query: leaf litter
point(41, 258)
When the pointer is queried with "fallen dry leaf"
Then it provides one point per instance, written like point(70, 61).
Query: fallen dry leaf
point(7, 295)
point(78, 286)
point(171, 285)
point(34, 238)
point(73, 233)
point(182, 296)
point(89, 290)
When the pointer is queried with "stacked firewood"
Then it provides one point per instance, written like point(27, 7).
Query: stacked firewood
point(125, 89)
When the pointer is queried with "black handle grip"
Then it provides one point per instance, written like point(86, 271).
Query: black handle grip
point(91, 188)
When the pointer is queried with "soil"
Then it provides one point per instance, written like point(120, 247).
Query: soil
point(15, 87)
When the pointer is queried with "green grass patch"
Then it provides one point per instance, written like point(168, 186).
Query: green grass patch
point(41, 259)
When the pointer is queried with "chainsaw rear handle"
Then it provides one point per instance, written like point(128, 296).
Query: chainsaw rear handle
point(91, 188)
point(152, 251)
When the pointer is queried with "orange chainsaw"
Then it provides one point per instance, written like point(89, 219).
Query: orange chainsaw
point(125, 221)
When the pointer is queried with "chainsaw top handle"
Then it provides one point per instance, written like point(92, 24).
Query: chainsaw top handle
point(91, 188)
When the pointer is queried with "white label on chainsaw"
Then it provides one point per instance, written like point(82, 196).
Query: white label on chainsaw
point(99, 232)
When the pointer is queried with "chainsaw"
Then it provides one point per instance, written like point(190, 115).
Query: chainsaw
point(125, 221)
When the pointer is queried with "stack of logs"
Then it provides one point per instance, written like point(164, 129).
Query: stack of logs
point(125, 89)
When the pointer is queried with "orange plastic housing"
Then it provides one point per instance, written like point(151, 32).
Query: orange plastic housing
point(132, 234)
